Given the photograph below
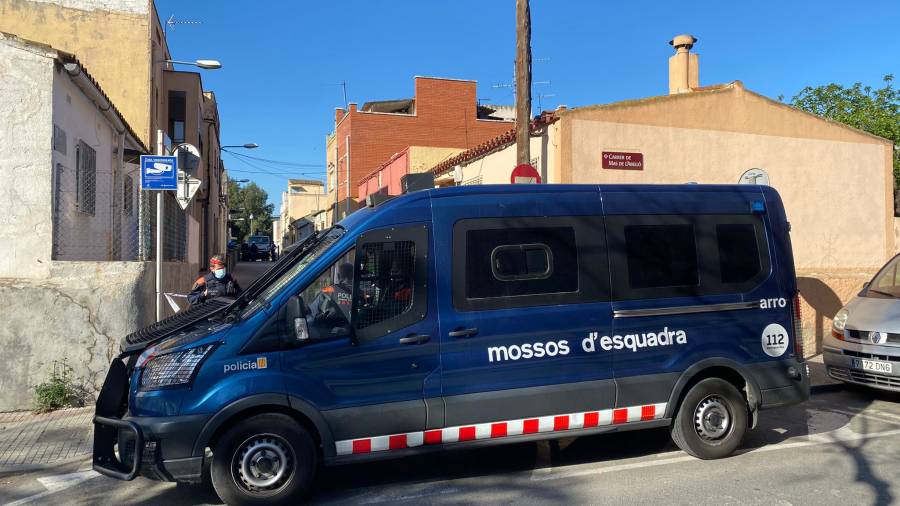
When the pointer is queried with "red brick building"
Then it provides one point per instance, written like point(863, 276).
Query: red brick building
point(443, 113)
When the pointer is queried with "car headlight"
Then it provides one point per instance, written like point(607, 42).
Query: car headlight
point(840, 320)
point(173, 369)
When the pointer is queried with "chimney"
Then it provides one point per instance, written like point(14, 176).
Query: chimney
point(339, 113)
point(684, 70)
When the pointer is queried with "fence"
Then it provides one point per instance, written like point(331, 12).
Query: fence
point(101, 215)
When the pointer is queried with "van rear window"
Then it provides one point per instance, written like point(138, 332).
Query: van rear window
point(661, 256)
point(738, 252)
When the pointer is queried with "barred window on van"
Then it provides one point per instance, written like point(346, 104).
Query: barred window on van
point(387, 274)
point(738, 252)
point(520, 261)
point(661, 256)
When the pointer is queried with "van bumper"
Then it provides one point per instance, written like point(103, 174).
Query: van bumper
point(840, 365)
point(164, 446)
point(782, 382)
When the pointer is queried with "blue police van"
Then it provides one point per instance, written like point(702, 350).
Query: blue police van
point(459, 317)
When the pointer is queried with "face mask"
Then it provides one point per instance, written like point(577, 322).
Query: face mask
point(219, 273)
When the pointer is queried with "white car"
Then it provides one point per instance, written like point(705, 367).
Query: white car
point(864, 344)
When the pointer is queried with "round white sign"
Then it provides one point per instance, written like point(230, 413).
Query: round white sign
point(774, 340)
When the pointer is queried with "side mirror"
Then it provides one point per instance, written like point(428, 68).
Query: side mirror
point(297, 311)
point(865, 286)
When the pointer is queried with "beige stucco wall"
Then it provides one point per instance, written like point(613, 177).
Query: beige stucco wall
point(110, 37)
point(423, 158)
point(829, 206)
point(497, 167)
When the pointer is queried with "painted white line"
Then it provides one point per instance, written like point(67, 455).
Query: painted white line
point(836, 436)
point(57, 483)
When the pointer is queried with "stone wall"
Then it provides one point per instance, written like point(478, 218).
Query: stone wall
point(79, 313)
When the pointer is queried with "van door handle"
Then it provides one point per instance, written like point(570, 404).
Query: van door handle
point(415, 339)
point(463, 332)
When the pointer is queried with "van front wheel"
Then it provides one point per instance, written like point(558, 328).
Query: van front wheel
point(266, 459)
point(711, 420)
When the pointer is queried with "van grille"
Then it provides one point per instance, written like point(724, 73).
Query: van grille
point(864, 377)
point(863, 336)
point(178, 321)
point(886, 358)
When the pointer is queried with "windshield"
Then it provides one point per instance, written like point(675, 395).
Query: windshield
point(259, 240)
point(887, 282)
point(312, 253)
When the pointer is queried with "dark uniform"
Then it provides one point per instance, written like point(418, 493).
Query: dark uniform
point(330, 309)
point(209, 287)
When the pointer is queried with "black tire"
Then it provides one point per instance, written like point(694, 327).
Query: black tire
point(711, 421)
point(267, 436)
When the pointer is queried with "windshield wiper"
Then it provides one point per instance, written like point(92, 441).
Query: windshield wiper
point(879, 292)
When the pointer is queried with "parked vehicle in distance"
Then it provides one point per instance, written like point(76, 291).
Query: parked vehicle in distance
point(864, 344)
point(435, 321)
point(263, 247)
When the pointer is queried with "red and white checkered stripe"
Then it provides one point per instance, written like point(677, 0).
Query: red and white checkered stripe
point(493, 430)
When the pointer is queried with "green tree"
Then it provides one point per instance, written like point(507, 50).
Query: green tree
point(244, 202)
point(876, 111)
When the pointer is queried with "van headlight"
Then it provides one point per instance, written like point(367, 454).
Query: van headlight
point(173, 369)
point(840, 320)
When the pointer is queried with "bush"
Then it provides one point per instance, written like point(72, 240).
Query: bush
point(60, 391)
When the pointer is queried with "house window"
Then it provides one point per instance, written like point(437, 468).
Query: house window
point(177, 115)
point(127, 196)
point(85, 178)
point(59, 140)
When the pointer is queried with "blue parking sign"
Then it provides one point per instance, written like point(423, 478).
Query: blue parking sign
point(159, 172)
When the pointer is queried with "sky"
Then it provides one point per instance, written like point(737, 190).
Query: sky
point(283, 60)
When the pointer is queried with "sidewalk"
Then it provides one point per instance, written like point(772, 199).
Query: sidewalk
point(31, 441)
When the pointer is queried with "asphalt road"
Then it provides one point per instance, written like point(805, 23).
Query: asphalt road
point(840, 448)
point(247, 272)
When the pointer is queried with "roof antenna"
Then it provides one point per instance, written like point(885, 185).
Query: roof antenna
point(171, 22)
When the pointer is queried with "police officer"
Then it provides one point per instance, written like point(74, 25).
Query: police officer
point(216, 283)
point(331, 307)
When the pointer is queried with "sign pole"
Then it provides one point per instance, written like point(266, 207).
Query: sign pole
point(159, 254)
point(159, 234)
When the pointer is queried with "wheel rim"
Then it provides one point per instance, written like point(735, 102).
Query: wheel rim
point(712, 419)
point(263, 464)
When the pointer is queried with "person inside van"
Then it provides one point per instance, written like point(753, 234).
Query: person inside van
point(330, 310)
point(218, 282)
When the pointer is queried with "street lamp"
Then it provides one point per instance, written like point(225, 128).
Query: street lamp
point(249, 145)
point(240, 180)
point(203, 64)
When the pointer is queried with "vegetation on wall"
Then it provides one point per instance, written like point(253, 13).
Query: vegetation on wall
point(244, 202)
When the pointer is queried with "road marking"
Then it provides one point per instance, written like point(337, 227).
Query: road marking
point(56, 483)
point(385, 498)
point(836, 436)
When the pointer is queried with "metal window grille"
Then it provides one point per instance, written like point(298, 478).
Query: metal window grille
point(474, 180)
point(386, 281)
point(85, 178)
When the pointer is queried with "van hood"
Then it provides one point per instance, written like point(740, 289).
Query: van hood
point(869, 313)
point(196, 315)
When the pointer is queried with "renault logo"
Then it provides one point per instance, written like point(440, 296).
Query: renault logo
point(876, 337)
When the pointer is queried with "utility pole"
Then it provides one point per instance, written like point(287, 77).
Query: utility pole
point(523, 81)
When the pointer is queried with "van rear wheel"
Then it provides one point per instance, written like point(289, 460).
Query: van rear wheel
point(711, 421)
point(266, 459)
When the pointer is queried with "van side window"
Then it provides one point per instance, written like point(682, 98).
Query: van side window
point(391, 279)
point(524, 261)
point(738, 252)
point(386, 281)
point(661, 256)
point(688, 255)
point(500, 263)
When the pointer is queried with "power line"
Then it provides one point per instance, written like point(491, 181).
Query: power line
point(275, 162)
point(270, 172)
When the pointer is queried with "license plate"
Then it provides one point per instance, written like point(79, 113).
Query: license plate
point(872, 365)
